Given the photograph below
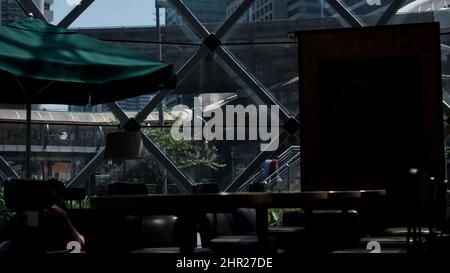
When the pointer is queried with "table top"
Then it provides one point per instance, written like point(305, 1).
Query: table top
point(223, 201)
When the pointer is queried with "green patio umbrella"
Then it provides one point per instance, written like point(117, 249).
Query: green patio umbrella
point(45, 64)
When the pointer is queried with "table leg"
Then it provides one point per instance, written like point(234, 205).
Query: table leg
point(262, 229)
point(187, 231)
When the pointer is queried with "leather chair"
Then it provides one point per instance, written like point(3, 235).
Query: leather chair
point(121, 188)
point(31, 231)
point(150, 233)
point(235, 233)
point(322, 231)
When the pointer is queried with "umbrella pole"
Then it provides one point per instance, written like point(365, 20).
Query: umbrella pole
point(28, 145)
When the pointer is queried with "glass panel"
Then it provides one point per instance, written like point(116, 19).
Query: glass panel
point(144, 171)
point(298, 15)
point(10, 12)
point(279, 76)
point(211, 13)
point(60, 149)
point(445, 49)
point(367, 7)
point(219, 159)
point(443, 16)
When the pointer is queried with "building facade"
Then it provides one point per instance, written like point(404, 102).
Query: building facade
point(132, 104)
point(207, 11)
point(10, 11)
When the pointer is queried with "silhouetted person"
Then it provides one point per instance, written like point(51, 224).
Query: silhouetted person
point(55, 229)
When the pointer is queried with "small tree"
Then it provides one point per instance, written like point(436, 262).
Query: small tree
point(184, 153)
point(5, 214)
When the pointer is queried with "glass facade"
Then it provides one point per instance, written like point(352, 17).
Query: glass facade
point(255, 64)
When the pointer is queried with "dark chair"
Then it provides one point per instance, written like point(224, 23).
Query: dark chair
point(149, 233)
point(31, 231)
point(121, 188)
point(414, 213)
point(205, 187)
point(419, 195)
point(158, 234)
point(235, 233)
point(5, 231)
point(322, 231)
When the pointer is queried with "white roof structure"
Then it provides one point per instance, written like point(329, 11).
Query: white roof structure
point(425, 5)
point(74, 118)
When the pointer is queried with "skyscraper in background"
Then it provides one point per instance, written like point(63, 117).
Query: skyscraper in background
point(132, 104)
point(298, 9)
point(10, 11)
point(46, 7)
point(207, 11)
point(269, 10)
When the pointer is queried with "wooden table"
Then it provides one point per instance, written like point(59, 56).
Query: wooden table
point(189, 206)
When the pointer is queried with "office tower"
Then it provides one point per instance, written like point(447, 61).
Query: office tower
point(207, 11)
point(10, 11)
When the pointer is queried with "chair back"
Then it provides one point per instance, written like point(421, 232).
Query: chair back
point(121, 188)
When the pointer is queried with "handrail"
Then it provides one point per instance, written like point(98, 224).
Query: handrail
point(287, 159)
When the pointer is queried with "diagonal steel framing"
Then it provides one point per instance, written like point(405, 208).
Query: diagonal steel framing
point(6, 169)
point(75, 13)
point(237, 14)
point(140, 117)
point(190, 18)
point(154, 150)
point(182, 179)
point(85, 174)
point(30, 7)
point(227, 57)
point(118, 112)
point(90, 168)
point(181, 74)
point(203, 33)
point(256, 86)
point(255, 164)
point(390, 12)
point(346, 13)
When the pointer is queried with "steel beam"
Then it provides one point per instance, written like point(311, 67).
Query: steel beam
point(6, 169)
point(255, 164)
point(346, 13)
point(86, 173)
point(229, 23)
point(75, 13)
point(30, 7)
point(181, 74)
point(390, 12)
point(183, 180)
point(256, 86)
point(190, 18)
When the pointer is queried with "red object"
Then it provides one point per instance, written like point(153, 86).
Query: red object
point(273, 165)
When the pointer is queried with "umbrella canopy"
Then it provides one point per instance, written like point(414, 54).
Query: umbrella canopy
point(42, 63)
point(45, 64)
